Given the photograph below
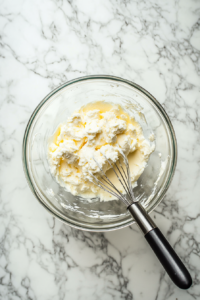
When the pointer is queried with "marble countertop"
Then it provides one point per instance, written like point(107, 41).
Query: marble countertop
point(46, 43)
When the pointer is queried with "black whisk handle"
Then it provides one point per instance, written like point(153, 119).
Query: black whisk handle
point(164, 252)
point(169, 259)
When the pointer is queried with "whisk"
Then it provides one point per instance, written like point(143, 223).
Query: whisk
point(164, 252)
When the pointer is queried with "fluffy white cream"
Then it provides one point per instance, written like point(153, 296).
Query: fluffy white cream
point(86, 135)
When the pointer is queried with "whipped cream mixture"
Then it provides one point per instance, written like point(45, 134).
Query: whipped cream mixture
point(96, 128)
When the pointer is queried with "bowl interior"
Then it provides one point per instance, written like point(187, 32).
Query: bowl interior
point(56, 108)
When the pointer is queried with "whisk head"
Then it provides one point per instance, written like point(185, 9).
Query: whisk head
point(123, 175)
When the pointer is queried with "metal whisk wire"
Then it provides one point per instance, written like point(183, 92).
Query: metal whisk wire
point(123, 177)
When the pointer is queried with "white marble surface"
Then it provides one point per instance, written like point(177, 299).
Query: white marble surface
point(45, 43)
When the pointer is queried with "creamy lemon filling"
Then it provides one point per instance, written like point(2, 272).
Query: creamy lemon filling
point(97, 129)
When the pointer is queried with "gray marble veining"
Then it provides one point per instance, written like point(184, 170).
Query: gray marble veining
point(45, 43)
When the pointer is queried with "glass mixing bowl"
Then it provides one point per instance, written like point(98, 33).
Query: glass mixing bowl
point(55, 108)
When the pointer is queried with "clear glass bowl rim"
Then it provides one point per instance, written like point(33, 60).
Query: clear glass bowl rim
point(117, 79)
